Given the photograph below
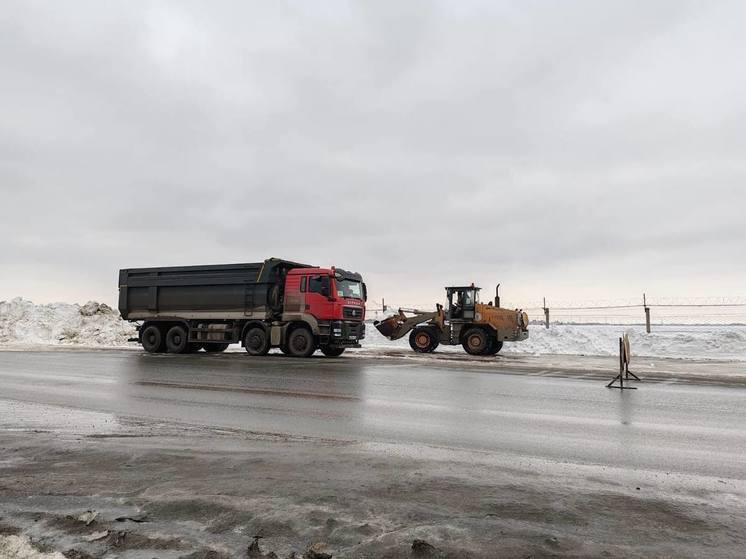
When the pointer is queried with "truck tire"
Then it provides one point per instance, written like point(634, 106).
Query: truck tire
point(215, 348)
point(494, 347)
point(152, 339)
point(273, 297)
point(256, 341)
point(301, 343)
point(423, 340)
point(332, 351)
point(475, 341)
point(177, 340)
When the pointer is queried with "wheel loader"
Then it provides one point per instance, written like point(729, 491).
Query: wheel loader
point(480, 328)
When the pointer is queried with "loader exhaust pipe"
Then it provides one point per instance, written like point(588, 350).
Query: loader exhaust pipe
point(497, 296)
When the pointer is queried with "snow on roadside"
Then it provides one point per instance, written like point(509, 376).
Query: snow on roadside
point(22, 323)
point(20, 547)
point(681, 342)
point(93, 324)
point(686, 342)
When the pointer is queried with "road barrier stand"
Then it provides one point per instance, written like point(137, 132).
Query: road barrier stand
point(625, 355)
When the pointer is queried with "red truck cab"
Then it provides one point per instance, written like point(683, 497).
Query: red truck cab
point(331, 300)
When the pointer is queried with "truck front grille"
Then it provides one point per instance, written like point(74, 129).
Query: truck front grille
point(352, 312)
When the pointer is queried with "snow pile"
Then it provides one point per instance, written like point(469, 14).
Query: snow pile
point(93, 324)
point(20, 547)
point(98, 325)
point(681, 342)
point(690, 342)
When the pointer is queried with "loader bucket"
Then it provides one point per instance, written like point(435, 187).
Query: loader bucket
point(388, 326)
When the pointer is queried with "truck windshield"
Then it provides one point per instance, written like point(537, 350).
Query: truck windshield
point(349, 288)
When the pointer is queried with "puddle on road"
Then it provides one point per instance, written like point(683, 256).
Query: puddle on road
point(22, 416)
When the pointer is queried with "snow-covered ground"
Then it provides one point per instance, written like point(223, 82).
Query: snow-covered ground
point(683, 342)
point(22, 323)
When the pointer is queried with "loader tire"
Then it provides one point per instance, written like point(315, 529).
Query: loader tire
point(476, 341)
point(177, 340)
point(152, 339)
point(423, 340)
point(494, 347)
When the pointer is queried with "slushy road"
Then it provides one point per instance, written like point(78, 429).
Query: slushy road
point(683, 428)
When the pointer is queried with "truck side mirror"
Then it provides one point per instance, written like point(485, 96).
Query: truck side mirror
point(365, 293)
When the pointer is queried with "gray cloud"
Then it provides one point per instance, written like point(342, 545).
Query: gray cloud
point(574, 149)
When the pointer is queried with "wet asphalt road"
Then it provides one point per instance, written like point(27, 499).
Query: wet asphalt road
point(687, 429)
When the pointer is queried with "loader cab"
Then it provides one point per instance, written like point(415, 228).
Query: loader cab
point(462, 302)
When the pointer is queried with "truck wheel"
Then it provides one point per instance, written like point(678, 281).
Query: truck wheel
point(475, 341)
point(152, 339)
point(494, 346)
point(301, 343)
point(176, 340)
point(423, 340)
point(256, 341)
point(215, 348)
point(332, 351)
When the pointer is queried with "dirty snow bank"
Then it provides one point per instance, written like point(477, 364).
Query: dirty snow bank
point(93, 324)
point(20, 547)
point(682, 342)
point(690, 342)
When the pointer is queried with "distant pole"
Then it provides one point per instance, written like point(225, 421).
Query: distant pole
point(383, 304)
point(647, 313)
point(621, 363)
point(546, 313)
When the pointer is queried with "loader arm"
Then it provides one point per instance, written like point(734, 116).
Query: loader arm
point(399, 325)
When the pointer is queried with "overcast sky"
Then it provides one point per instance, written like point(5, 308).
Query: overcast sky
point(574, 150)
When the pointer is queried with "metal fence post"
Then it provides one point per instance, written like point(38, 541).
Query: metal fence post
point(647, 313)
point(546, 313)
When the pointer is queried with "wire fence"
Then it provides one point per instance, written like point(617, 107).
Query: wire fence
point(646, 310)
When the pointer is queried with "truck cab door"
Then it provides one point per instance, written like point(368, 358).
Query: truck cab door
point(318, 293)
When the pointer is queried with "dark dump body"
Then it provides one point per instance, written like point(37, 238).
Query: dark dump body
point(212, 291)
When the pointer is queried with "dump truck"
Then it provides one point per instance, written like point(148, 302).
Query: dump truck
point(276, 303)
point(480, 328)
